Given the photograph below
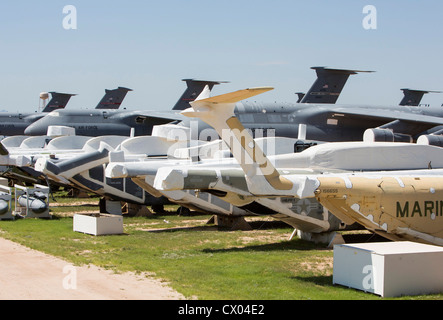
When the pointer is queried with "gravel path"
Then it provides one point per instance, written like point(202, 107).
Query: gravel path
point(27, 274)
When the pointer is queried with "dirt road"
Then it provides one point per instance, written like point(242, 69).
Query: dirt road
point(27, 274)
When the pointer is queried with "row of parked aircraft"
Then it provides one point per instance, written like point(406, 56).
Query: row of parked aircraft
point(319, 166)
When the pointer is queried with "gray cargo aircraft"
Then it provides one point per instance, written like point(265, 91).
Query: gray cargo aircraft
point(15, 123)
point(12, 124)
point(326, 89)
point(317, 117)
point(411, 97)
point(101, 122)
point(120, 128)
point(334, 122)
point(344, 191)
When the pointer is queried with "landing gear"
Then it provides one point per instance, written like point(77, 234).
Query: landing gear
point(183, 211)
point(158, 208)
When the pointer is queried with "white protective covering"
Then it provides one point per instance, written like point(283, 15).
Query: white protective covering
point(362, 156)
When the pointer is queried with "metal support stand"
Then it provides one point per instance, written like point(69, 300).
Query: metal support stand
point(6, 203)
point(32, 202)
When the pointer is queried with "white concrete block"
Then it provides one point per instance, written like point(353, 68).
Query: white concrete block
point(389, 269)
point(98, 224)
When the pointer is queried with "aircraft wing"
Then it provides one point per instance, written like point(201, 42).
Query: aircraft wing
point(161, 117)
point(405, 122)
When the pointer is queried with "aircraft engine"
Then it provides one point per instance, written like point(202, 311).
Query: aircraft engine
point(385, 135)
point(433, 140)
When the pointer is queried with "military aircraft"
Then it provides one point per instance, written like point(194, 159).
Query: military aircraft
point(101, 122)
point(218, 185)
point(22, 151)
point(333, 122)
point(326, 89)
point(401, 204)
point(85, 170)
point(194, 87)
point(337, 79)
point(202, 200)
point(76, 162)
point(229, 209)
point(12, 124)
point(411, 97)
point(15, 123)
point(397, 205)
point(82, 177)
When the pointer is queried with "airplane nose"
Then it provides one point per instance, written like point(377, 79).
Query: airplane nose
point(28, 131)
point(32, 130)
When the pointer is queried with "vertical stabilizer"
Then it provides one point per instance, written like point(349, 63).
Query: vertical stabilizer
point(329, 85)
point(194, 89)
point(113, 98)
point(58, 101)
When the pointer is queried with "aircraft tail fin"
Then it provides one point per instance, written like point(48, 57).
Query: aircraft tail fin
point(113, 98)
point(219, 113)
point(58, 101)
point(413, 97)
point(329, 85)
point(194, 89)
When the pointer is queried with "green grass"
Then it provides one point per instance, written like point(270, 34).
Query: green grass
point(196, 259)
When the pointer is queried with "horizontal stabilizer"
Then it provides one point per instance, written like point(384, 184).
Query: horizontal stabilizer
point(300, 95)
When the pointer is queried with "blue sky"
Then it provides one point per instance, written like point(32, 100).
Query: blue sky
point(150, 46)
